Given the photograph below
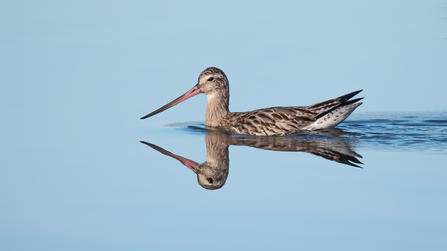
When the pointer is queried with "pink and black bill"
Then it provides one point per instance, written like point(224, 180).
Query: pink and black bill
point(191, 93)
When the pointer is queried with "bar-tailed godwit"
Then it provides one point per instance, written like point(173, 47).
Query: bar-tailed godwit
point(213, 173)
point(268, 121)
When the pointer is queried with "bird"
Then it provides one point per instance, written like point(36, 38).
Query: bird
point(271, 121)
point(212, 174)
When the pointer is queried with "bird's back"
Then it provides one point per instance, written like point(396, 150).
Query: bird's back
point(290, 120)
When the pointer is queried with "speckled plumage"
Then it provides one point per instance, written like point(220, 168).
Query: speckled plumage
point(268, 121)
point(212, 174)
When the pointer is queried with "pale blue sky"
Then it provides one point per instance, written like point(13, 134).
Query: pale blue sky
point(133, 56)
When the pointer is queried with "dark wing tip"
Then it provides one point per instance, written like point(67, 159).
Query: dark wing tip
point(353, 101)
point(349, 95)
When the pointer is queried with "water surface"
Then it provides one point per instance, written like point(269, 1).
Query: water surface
point(375, 182)
point(77, 76)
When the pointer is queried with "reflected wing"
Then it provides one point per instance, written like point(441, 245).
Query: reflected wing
point(333, 150)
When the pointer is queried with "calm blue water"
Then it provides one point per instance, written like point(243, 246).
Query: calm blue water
point(110, 191)
point(394, 131)
point(76, 77)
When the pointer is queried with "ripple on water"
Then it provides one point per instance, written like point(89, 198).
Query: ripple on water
point(399, 132)
point(381, 131)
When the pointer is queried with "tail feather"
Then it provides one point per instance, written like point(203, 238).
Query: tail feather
point(352, 101)
point(330, 105)
point(346, 97)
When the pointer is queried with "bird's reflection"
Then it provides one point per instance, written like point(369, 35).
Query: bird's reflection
point(213, 173)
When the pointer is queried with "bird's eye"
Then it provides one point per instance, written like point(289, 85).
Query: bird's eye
point(210, 180)
point(211, 79)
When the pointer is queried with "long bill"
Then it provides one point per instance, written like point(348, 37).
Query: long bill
point(191, 93)
point(194, 166)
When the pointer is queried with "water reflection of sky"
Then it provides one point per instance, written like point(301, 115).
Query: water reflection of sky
point(212, 174)
point(75, 78)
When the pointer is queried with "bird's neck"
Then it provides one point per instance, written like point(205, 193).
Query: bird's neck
point(217, 108)
point(217, 151)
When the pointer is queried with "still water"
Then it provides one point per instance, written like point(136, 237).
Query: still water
point(376, 182)
point(373, 131)
point(80, 171)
